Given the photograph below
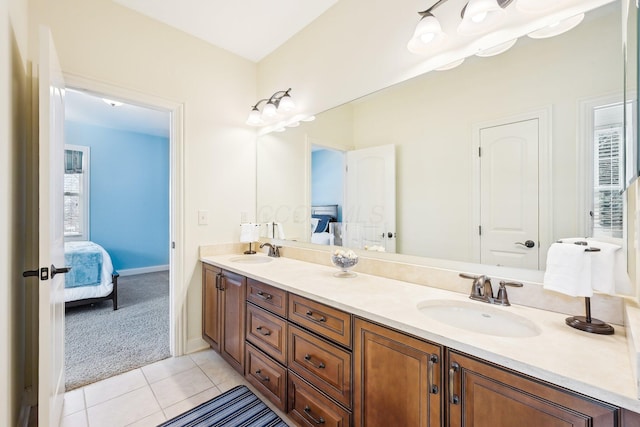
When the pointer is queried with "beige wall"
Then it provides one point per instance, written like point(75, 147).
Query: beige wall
point(13, 137)
point(105, 42)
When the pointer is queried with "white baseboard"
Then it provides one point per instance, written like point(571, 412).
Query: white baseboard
point(134, 271)
point(195, 345)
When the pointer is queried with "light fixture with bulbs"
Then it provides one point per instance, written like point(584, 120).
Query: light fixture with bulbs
point(278, 103)
point(442, 38)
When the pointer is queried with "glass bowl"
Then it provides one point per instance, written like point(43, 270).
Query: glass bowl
point(344, 259)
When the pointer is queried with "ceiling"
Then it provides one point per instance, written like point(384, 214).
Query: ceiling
point(249, 28)
point(90, 109)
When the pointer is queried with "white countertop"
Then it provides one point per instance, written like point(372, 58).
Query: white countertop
point(595, 365)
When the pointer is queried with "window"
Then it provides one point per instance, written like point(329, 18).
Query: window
point(76, 192)
point(608, 211)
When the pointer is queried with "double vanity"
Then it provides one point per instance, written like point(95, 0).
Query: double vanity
point(374, 351)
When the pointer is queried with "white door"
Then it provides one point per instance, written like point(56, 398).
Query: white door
point(369, 213)
point(509, 194)
point(51, 234)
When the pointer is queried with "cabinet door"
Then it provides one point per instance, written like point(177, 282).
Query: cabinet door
point(485, 395)
point(211, 306)
point(396, 378)
point(232, 287)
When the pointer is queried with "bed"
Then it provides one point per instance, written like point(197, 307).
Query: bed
point(92, 278)
point(323, 225)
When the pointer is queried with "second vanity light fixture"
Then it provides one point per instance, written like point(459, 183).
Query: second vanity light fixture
point(477, 16)
point(482, 16)
point(278, 103)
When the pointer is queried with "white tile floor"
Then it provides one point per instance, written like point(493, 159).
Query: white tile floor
point(152, 394)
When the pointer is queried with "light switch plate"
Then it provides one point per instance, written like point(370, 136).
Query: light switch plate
point(203, 217)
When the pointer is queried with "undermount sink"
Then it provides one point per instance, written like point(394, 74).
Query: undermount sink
point(478, 317)
point(251, 259)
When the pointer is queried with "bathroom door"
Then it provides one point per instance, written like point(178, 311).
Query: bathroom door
point(51, 234)
point(369, 214)
point(509, 194)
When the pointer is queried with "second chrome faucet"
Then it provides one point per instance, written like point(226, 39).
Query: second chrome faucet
point(481, 289)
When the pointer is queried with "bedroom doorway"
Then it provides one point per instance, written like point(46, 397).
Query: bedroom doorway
point(327, 195)
point(127, 206)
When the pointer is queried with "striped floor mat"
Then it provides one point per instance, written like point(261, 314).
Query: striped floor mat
point(237, 407)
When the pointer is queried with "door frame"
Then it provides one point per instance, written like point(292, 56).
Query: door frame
point(545, 178)
point(177, 317)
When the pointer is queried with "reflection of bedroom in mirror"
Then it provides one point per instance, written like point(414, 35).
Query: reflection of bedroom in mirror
point(327, 195)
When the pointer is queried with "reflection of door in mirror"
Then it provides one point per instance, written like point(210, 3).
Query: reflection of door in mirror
point(509, 194)
point(370, 211)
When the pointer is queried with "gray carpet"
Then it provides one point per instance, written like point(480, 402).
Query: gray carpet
point(101, 342)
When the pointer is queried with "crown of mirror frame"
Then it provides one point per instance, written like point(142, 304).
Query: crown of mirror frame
point(481, 19)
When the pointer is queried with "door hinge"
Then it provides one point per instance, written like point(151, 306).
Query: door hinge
point(479, 151)
point(479, 230)
point(173, 245)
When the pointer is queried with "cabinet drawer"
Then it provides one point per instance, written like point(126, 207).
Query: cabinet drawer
point(268, 332)
point(323, 364)
point(267, 376)
point(267, 297)
point(310, 408)
point(322, 319)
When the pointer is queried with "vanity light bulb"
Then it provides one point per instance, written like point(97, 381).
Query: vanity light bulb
point(269, 110)
point(427, 38)
point(479, 17)
point(286, 104)
point(254, 118)
point(427, 35)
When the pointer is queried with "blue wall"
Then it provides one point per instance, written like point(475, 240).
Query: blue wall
point(327, 178)
point(129, 195)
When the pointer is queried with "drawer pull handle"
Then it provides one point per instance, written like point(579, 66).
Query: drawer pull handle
point(307, 411)
point(262, 377)
point(453, 398)
point(263, 295)
point(309, 314)
point(307, 357)
point(263, 331)
point(433, 389)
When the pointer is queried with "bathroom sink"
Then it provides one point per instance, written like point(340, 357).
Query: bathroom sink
point(479, 318)
point(251, 259)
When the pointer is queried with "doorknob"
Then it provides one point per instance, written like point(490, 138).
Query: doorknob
point(528, 243)
point(61, 270)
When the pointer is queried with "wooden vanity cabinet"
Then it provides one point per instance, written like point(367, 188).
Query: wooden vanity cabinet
point(266, 334)
point(397, 378)
point(481, 394)
point(320, 363)
point(211, 306)
point(223, 314)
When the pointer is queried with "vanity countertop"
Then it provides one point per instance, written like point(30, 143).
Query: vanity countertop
point(594, 365)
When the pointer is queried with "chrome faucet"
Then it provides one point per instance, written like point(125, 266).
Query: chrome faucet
point(481, 289)
point(274, 250)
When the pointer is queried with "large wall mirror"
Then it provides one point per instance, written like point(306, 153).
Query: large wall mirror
point(494, 159)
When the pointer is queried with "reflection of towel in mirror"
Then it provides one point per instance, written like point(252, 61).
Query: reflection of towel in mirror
point(249, 232)
point(273, 230)
point(568, 270)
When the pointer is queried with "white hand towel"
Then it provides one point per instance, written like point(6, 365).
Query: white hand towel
point(603, 267)
point(280, 230)
point(249, 232)
point(568, 270)
point(610, 257)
